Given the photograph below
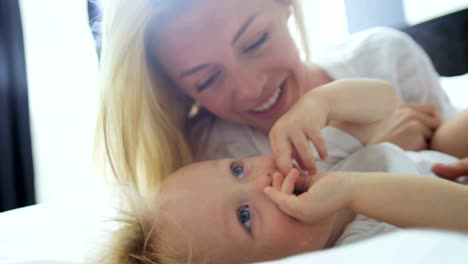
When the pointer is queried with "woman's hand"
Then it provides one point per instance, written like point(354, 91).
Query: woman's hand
point(452, 171)
point(291, 135)
point(322, 194)
point(412, 126)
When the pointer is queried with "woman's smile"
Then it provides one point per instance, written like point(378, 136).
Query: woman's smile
point(274, 106)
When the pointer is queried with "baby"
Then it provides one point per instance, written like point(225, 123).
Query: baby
point(244, 211)
point(241, 211)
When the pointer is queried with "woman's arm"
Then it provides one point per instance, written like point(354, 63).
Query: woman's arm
point(401, 200)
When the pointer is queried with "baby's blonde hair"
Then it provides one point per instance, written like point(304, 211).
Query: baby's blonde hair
point(143, 122)
point(138, 238)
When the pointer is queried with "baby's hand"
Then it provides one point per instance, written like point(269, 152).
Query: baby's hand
point(321, 195)
point(291, 134)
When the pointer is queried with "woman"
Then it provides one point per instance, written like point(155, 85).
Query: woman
point(237, 60)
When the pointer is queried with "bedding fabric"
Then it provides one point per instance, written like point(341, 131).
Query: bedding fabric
point(403, 247)
point(69, 233)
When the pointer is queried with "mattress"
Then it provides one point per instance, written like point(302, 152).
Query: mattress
point(73, 233)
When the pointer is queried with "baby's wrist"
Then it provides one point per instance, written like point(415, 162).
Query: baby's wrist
point(321, 103)
point(350, 189)
point(356, 184)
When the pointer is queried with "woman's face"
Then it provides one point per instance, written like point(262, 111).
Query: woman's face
point(236, 58)
point(219, 210)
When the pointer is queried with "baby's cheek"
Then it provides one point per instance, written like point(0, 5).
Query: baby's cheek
point(286, 228)
point(294, 237)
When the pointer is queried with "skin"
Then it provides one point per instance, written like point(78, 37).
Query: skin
point(386, 197)
point(201, 205)
point(452, 171)
point(447, 138)
point(412, 127)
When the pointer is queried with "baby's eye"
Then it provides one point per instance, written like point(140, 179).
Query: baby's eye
point(237, 170)
point(244, 217)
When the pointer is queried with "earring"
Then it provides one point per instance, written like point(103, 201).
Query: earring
point(195, 109)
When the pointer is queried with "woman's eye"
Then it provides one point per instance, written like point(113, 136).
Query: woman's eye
point(208, 82)
point(244, 217)
point(237, 170)
point(257, 44)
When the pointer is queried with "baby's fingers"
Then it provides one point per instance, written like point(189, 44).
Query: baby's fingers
point(290, 181)
point(304, 151)
point(290, 204)
point(316, 137)
point(282, 151)
point(278, 179)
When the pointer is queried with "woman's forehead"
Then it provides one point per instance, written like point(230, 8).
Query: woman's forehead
point(202, 33)
point(209, 17)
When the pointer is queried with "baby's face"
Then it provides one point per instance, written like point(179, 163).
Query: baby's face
point(219, 209)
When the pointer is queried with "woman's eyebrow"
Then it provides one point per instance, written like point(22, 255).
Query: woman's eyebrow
point(244, 28)
point(239, 34)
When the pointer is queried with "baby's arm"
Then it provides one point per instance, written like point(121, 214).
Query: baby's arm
point(357, 106)
point(411, 201)
point(451, 138)
point(401, 200)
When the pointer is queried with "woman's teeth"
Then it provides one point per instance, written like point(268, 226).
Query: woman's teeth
point(269, 103)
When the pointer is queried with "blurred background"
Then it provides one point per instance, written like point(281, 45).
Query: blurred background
point(49, 83)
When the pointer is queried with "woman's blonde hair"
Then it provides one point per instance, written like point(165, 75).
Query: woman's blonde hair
point(143, 122)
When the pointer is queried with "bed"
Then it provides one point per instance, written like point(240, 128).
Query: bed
point(73, 231)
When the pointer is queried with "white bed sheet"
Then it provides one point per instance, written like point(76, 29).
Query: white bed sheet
point(403, 247)
point(54, 233)
point(70, 232)
point(457, 89)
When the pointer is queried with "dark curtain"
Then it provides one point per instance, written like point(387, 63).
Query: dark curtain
point(16, 165)
point(445, 39)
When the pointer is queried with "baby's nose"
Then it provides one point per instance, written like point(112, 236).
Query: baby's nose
point(262, 181)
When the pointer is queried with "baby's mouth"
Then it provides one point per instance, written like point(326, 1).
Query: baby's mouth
point(299, 191)
point(301, 185)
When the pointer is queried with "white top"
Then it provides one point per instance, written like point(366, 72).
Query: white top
point(379, 53)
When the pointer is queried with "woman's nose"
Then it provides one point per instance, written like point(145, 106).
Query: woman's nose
point(248, 86)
